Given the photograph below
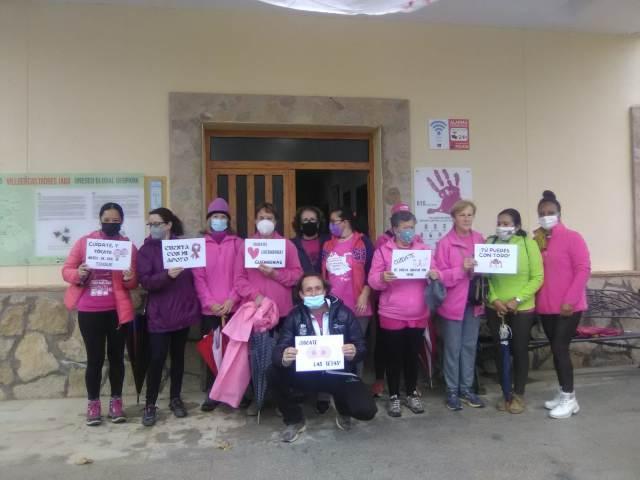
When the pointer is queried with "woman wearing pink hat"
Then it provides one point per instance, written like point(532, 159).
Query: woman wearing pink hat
point(216, 282)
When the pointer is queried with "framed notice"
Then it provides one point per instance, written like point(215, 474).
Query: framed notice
point(184, 253)
point(108, 254)
point(317, 353)
point(410, 264)
point(269, 252)
point(496, 258)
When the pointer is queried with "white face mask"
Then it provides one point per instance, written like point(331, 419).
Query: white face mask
point(505, 233)
point(548, 222)
point(265, 227)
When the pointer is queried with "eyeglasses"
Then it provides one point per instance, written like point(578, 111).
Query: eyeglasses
point(156, 224)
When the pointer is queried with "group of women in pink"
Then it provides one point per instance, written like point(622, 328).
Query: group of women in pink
point(360, 276)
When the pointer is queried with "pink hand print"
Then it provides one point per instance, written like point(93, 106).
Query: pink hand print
point(448, 192)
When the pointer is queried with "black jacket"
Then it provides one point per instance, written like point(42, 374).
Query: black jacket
point(305, 261)
point(342, 321)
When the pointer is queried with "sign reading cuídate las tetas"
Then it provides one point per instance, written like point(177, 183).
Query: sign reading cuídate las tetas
point(496, 258)
point(108, 254)
point(261, 251)
point(184, 253)
point(410, 264)
point(321, 352)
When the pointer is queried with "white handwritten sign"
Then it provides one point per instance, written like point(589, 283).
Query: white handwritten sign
point(496, 258)
point(260, 251)
point(319, 353)
point(108, 254)
point(184, 253)
point(410, 263)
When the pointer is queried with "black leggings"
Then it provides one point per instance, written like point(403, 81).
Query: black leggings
point(209, 323)
point(520, 324)
point(560, 330)
point(402, 348)
point(161, 344)
point(98, 328)
point(379, 354)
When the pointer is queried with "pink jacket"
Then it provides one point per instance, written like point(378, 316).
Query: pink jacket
point(216, 282)
point(567, 267)
point(124, 305)
point(401, 300)
point(235, 371)
point(449, 260)
point(251, 282)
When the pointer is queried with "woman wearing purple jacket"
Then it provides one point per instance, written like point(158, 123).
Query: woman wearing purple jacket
point(172, 307)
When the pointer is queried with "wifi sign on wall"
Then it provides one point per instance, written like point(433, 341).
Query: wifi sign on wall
point(449, 134)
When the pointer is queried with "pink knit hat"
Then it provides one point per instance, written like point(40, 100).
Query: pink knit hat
point(219, 205)
point(400, 207)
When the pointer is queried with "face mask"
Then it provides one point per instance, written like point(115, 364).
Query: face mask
point(336, 230)
point(309, 229)
point(157, 233)
point(219, 224)
point(265, 227)
point(548, 222)
point(314, 302)
point(505, 233)
point(406, 236)
point(111, 229)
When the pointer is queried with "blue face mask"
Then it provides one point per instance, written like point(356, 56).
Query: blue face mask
point(314, 302)
point(219, 224)
point(406, 236)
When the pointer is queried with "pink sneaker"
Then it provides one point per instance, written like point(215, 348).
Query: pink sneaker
point(94, 414)
point(115, 410)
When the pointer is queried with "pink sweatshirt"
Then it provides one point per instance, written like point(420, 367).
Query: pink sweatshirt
point(449, 260)
point(567, 267)
point(402, 302)
point(216, 282)
point(251, 282)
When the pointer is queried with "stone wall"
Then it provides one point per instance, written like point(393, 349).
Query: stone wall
point(42, 353)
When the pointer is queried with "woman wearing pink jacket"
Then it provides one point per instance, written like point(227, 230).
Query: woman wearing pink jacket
point(460, 319)
point(215, 283)
point(402, 311)
point(562, 297)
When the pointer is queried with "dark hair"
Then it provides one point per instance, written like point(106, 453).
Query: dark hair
point(516, 218)
point(325, 284)
point(168, 216)
point(402, 216)
point(269, 208)
point(297, 220)
point(549, 197)
point(111, 206)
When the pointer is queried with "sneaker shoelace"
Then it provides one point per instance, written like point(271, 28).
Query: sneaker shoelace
point(395, 403)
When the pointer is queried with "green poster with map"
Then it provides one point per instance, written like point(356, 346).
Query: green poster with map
point(43, 215)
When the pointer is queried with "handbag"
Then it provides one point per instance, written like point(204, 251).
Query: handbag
point(478, 290)
point(434, 295)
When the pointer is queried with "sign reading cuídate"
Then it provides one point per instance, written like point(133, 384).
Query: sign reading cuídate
point(410, 264)
point(496, 258)
point(184, 253)
point(261, 251)
point(108, 254)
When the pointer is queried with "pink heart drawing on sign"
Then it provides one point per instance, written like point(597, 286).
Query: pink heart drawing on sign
point(254, 252)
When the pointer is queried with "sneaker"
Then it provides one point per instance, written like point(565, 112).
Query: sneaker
point(414, 403)
point(502, 405)
point(177, 407)
point(291, 433)
point(343, 422)
point(453, 402)
point(517, 405)
point(94, 414)
point(209, 405)
point(567, 407)
point(377, 388)
point(553, 403)
point(322, 406)
point(394, 406)
point(150, 415)
point(115, 410)
point(471, 399)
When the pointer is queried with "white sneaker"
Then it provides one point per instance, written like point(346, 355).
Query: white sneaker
point(568, 406)
point(551, 404)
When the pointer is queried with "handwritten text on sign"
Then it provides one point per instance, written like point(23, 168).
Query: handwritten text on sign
point(184, 253)
point(411, 263)
point(319, 353)
point(260, 251)
point(496, 258)
point(108, 254)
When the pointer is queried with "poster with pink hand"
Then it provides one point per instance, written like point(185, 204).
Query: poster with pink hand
point(436, 191)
